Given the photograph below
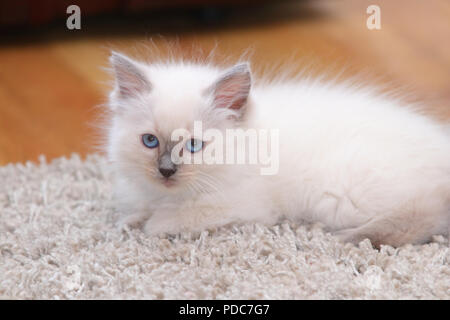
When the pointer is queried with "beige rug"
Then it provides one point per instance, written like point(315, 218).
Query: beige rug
point(57, 241)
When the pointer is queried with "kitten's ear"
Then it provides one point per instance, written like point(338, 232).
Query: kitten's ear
point(231, 90)
point(130, 79)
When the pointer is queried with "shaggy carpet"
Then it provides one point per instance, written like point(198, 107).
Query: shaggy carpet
point(58, 241)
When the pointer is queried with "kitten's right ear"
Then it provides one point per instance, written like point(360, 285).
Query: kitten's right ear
point(130, 79)
point(232, 89)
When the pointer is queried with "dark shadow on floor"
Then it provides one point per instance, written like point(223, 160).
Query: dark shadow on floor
point(167, 22)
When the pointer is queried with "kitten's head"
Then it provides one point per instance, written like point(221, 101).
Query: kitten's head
point(152, 101)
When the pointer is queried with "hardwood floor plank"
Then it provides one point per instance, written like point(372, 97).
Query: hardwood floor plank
point(56, 101)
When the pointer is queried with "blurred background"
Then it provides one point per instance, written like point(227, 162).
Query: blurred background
point(51, 78)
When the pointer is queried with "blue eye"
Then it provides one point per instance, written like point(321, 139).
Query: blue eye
point(194, 145)
point(149, 140)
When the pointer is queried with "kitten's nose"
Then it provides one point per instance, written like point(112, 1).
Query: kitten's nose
point(166, 172)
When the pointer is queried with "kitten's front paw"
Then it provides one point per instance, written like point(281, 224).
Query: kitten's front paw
point(349, 236)
point(160, 227)
point(355, 237)
point(131, 221)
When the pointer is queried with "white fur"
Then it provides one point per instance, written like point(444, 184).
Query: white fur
point(363, 164)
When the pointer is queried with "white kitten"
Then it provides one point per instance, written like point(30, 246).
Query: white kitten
point(362, 164)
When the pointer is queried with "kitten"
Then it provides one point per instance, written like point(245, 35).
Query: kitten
point(364, 165)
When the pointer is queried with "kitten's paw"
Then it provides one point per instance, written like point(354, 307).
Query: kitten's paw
point(349, 236)
point(131, 221)
point(159, 228)
point(355, 236)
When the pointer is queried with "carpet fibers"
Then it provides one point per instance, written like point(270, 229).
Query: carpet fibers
point(58, 241)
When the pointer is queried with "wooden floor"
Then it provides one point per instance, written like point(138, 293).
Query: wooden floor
point(51, 81)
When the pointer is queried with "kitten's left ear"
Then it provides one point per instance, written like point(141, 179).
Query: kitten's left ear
point(231, 90)
point(130, 79)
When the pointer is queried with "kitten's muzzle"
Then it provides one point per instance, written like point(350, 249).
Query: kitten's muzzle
point(167, 172)
point(166, 167)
